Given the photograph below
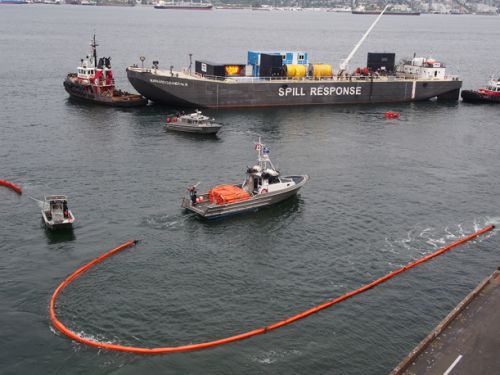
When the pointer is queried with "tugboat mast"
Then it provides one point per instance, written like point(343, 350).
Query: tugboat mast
point(93, 44)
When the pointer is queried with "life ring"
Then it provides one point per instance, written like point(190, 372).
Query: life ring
point(263, 191)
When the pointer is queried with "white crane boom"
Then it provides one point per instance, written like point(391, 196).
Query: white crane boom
point(344, 64)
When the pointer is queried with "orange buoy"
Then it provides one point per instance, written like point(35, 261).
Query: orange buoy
point(391, 114)
point(237, 337)
point(11, 186)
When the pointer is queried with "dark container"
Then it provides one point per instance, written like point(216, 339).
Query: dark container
point(271, 65)
point(207, 68)
point(381, 61)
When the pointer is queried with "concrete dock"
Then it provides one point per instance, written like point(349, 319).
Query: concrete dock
point(467, 341)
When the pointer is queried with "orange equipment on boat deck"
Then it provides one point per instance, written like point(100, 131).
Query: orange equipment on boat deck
point(222, 194)
point(12, 186)
point(391, 114)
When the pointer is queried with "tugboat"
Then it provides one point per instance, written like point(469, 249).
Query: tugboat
point(56, 214)
point(263, 186)
point(490, 94)
point(95, 83)
point(192, 123)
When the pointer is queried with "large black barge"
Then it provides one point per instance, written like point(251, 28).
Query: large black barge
point(416, 80)
point(286, 78)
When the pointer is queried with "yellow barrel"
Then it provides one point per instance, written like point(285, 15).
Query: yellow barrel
point(295, 70)
point(321, 70)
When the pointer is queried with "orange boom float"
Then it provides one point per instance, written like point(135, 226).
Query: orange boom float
point(11, 186)
point(210, 344)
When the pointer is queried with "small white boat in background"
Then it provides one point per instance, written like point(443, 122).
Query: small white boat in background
point(192, 123)
point(55, 212)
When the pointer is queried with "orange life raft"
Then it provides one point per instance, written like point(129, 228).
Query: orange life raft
point(222, 194)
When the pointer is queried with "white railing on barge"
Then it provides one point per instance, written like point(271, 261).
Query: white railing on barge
point(185, 74)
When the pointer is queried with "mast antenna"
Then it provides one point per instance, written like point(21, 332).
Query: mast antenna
point(93, 44)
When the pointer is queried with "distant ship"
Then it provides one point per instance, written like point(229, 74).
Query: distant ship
point(13, 2)
point(390, 12)
point(286, 78)
point(186, 5)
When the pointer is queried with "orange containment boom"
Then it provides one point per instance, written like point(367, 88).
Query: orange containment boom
point(222, 194)
point(209, 344)
point(12, 186)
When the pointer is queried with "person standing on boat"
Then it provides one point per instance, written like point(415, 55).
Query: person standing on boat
point(192, 194)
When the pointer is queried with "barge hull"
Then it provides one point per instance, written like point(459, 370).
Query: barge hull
point(206, 93)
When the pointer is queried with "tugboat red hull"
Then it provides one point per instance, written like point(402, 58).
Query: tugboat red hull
point(87, 93)
point(473, 96)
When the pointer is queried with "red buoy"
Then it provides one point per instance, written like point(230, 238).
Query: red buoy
point(391, 115)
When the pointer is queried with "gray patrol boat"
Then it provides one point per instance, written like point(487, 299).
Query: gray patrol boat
point(263, 186)
point(286, 78)
point(194, 122)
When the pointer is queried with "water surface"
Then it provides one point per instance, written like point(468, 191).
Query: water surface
point(382, 193)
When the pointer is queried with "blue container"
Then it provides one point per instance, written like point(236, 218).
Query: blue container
point(289, 57)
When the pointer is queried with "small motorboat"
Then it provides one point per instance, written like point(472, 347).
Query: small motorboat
point(194, 122)
point(490, 94)
point(263, 186)
point(55, 212)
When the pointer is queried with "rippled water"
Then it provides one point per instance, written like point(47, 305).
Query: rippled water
point(382, 193)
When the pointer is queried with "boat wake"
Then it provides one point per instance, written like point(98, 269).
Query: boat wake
point(493, 221)
point(273, 356)
point(164, 221)
point(419, 238)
